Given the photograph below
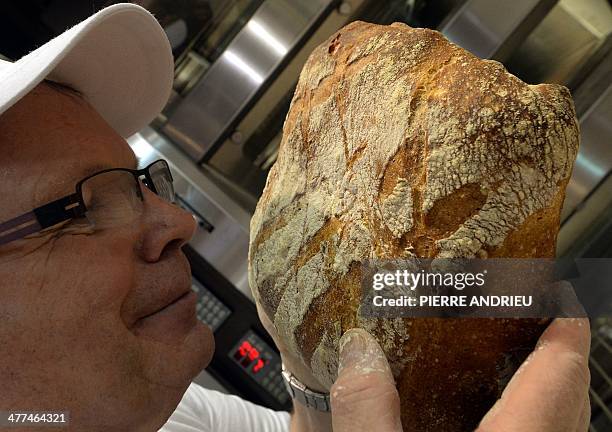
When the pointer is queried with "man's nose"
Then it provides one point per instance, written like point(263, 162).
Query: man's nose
point(167, 226)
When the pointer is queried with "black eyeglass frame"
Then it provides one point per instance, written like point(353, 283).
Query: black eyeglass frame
point(70, 206)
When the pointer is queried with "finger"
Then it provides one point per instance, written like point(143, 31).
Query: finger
point(548, 391)
point(364, 397)
point(585, 416)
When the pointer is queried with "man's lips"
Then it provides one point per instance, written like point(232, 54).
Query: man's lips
point(153, 296)
point(171, 323)
point(164, 303)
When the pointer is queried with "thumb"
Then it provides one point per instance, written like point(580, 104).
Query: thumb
point(549, 390)
point(364, 397)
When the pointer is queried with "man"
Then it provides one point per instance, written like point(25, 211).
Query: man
point(96, 314)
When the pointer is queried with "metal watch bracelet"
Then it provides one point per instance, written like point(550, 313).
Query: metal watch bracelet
point(305, 396)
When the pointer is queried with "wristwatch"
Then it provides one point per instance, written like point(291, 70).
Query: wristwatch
point(302, 394)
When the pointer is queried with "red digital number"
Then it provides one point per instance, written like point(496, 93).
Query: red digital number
point(244, 349)
point(246, 354)
point(258, 366)
point(253, 354)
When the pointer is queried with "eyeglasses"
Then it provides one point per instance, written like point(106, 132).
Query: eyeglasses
point(108, 198)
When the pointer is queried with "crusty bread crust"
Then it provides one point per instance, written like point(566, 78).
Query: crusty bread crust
point(401, 144)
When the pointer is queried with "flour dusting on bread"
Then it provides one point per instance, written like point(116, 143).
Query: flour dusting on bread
point(400, 144)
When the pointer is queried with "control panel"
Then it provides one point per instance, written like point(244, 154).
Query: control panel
point(210, 309)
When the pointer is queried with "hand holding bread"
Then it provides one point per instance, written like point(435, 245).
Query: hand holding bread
point(548, 394)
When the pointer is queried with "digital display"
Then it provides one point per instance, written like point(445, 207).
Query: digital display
point(260, 362)
point(249, 357)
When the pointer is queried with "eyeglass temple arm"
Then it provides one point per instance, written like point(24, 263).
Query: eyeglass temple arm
point(19, 227)
point(40, 218)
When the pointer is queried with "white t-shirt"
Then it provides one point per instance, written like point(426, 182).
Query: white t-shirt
point(204, 410)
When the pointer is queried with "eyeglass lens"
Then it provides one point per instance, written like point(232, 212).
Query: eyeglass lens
point(162, 180)
point(114, 198)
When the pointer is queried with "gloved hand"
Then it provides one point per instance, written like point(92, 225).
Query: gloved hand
point(549, 393)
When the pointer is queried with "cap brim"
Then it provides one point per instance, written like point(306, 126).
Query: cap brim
point(119, 59)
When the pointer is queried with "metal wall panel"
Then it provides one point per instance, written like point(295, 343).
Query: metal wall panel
point(201, 119)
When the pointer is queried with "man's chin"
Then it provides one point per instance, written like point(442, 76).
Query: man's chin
point(174, 365)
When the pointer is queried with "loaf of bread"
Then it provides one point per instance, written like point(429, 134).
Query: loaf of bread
point(400, 144)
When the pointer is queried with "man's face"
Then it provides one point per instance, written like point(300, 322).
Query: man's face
point(92, 321)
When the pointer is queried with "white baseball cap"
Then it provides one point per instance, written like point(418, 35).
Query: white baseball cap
point(119, 59)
